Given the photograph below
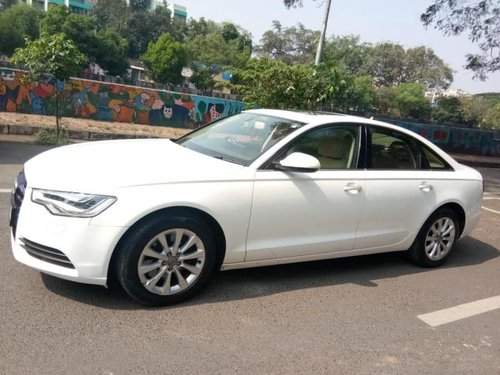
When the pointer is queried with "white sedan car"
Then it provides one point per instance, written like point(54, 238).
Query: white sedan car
point(262, 187)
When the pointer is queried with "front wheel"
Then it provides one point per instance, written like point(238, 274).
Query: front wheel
point(166, 260)
point(436, 239)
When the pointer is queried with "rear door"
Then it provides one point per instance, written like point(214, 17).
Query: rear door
point(400, 191)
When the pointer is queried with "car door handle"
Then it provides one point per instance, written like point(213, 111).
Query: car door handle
point(425, 186)
point(352, 188)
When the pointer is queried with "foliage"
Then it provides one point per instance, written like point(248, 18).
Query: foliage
point(492, 119)
point(384, 100)
point(347, 53)
point(165, 59)
point(292, 3)
point(388, 63)
point(213, 44)
point(448, 111)
point(293, 45)
point(199, 27)
point(360, 94)
point(274, 84)
point(51, 54)
point(135, 23)
point(385, 63)
point(16, 23)
point(410, 101)
point(106, 47)
point(480, 110)
point(4, 4)
point(480, 19)
point(50, 137)
point(111, 14)
point(424, 66)
point(474, 109)
point(212, 49)
point(111, 52)
point(202, 78)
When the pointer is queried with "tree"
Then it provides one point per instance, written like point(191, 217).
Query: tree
point(385, 63)
point(293, 45)
point(16, 23)
point(4, 4)
point(390, 64)
point(359, 94)
point(111, 52)
point(212, 49)
point(384, 100)
point(217, 45)
point(78, 28)
point(106, 47)
point(492, 119)
point(274, 84)
point(292, 3)
point(111, 14)
point(144, 27)
point(480, 19)
point(203, 78)
point(424, 66)
point(164, 60)
point(410, 100)
point(474, 110)
point(347, 53)
point(137, 23)
point(54, 55)
point(200, 27)
point(449, 110)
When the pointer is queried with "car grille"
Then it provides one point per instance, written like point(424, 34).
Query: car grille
point(16, 200)
point(46, 253)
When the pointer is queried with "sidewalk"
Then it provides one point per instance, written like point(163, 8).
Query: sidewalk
point(22, 128)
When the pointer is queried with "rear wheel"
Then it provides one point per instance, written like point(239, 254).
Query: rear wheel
point(436, 239)
point(166, 260)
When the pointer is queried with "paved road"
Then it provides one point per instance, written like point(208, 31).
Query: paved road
point(355, 315)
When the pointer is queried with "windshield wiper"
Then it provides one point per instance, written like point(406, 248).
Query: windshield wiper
point(220, 157)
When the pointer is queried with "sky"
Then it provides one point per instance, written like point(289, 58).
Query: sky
point(373, 20)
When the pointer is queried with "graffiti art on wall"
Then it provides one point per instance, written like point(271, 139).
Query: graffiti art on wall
point(457, 139)
point(111, 102)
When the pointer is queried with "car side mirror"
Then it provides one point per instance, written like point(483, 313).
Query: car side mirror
point(298, 162)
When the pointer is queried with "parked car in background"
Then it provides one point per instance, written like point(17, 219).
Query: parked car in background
point(262, 187)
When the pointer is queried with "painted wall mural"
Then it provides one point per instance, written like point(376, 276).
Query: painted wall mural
point(457, 139)
point(112, 102)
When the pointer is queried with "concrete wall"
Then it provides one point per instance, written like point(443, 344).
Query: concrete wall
point(111, 102)
point(457, 139)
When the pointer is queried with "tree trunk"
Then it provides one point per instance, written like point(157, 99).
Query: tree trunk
point(58, 126)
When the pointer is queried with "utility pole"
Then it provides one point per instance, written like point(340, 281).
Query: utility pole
point(323, 33)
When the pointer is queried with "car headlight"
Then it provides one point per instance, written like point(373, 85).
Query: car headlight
point(64, 203)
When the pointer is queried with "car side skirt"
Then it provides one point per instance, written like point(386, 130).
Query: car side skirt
point(308, 258)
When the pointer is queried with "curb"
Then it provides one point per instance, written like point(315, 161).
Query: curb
point(86, 135)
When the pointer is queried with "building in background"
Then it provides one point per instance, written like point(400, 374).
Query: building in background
point(178, 12)
point(77, 6)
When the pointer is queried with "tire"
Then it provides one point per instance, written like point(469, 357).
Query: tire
point(436, 238)
point(166, 260)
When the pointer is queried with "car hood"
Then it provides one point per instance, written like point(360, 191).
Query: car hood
point(101, 166)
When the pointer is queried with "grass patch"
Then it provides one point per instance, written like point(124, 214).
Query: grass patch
point(48, 137)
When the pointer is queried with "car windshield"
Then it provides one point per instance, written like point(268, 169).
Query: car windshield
point(241, 138)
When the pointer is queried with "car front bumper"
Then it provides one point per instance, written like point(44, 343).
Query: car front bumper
point(65, 247)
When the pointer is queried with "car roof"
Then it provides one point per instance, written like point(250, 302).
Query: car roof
point(318, 117)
